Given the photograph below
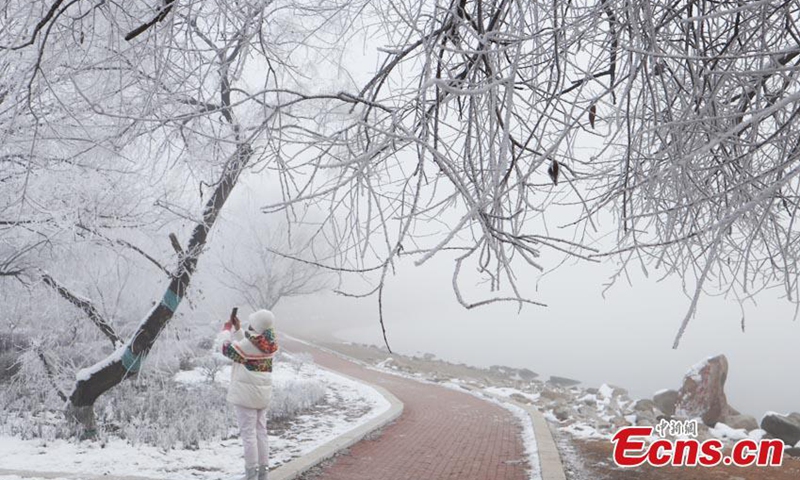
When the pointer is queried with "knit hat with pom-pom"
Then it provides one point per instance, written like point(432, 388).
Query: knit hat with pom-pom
point(261, 320)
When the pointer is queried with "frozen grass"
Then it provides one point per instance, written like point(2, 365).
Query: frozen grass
point(348, 404)
point(11, 345)
point(155, 409)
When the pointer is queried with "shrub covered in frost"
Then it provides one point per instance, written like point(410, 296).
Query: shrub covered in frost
point(11, 346)
point(154, 409)
point(292, 395)
point(291, 392)
point(158, 411)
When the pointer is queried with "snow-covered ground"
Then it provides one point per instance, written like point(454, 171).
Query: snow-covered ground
point(348, 405)
point(17, 477)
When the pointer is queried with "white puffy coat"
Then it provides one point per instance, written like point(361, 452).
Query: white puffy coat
point(251, 373)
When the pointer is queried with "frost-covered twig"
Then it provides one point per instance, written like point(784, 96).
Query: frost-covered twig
point(88, 308)
point(50, 375)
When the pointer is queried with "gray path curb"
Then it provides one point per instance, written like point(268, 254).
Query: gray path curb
point(287, 471)
point(298, 466)
point(549, 459)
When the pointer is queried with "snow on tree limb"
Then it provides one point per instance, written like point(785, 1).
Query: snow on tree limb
point(86, 306)
point(162, 14)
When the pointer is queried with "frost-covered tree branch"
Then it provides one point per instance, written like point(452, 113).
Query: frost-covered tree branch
point(163, 11)
point(679, 119)
point(50, 375)
point(128, 245)
point(87, 307)
point(463, 117)
point(706, 160)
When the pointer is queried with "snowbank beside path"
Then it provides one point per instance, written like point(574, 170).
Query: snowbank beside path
point(17, 477)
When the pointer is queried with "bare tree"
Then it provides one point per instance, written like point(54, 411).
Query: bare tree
point(125, 117)
point(263, 269)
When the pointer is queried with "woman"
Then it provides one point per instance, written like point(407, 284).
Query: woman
point(250, 390)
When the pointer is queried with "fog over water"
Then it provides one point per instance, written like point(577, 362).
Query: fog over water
point(624, 339)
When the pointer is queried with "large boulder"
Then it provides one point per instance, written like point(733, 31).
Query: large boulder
point(519, 398)
point(745, 422)
point(644, 405)
point(554, 394)
point(665, 400)
point(646, 418)
point(795, 416)
point(792, 452)
point(562, 381)
point(562, 412)
point(703, 391)
point(527, 375)
point(785, 427)
point(611, 391)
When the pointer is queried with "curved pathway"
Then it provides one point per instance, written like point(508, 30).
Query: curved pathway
point(442, 433)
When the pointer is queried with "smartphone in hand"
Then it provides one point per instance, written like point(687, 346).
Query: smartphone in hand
point(234, 319)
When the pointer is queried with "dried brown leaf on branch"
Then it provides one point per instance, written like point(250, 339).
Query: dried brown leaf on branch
point(553, 171)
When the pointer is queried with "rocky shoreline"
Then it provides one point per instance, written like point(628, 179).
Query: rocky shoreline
point(598, 412)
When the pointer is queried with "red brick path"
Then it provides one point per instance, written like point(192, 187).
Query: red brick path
point(442, 434)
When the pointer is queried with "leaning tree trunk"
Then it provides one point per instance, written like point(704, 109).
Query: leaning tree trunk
point(127, 360)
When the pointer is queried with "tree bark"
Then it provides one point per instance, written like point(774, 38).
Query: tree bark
point(122, 364)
